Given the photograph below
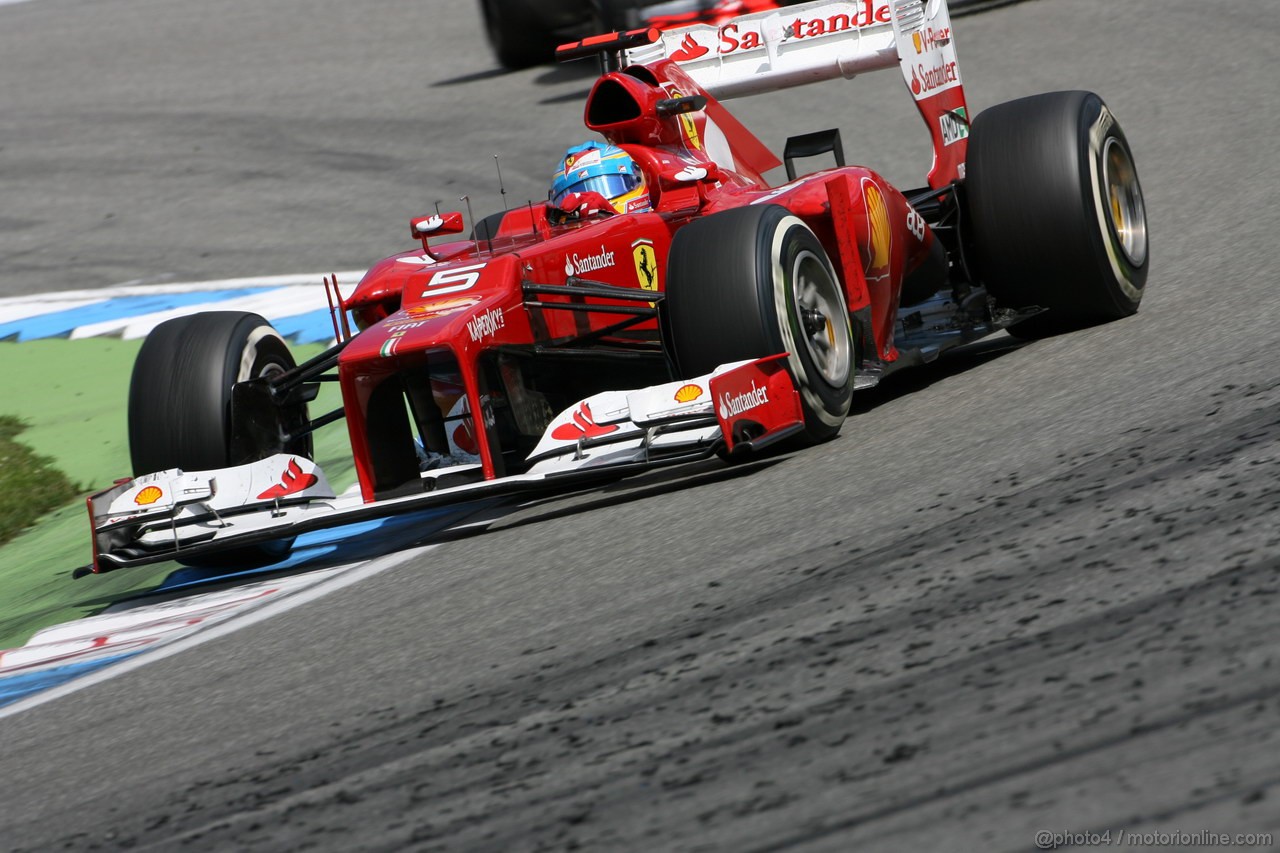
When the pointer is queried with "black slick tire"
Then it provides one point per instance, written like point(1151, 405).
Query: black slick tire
point(180, 399)
point(753, 282)
point(618, 15)
point(518, 37)
point(1056, 213)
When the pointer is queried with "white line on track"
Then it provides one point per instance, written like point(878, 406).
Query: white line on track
point(134, 289)
point(355, 574)
point(276, 297)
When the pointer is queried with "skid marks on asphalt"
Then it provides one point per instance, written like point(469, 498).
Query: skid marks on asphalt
point(989, 670)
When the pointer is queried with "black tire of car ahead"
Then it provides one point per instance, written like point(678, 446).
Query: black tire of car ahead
point(755, 281)
point(1056, 211)
point(618, 15)
point(180, 400)
point(518, 37)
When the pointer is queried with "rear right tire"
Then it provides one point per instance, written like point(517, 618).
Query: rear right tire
point(1056, 212)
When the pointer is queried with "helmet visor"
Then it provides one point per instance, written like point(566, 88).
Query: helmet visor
point(609, 186)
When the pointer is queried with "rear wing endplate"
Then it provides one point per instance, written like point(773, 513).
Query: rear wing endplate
point(827, 40)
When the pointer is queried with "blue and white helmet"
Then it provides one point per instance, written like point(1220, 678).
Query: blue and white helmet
point(604, 169)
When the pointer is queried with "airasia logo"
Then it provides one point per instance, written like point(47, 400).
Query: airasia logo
point(583, 426)
point(734, 39)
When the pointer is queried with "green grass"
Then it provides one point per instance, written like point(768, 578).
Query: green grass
point(72, 395)
point(29, 486)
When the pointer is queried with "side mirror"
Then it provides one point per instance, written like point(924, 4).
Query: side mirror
point(437, 223)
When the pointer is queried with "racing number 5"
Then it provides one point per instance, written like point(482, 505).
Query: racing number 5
point(454, 280)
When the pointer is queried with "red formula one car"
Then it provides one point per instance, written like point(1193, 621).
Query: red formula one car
point(565, 342)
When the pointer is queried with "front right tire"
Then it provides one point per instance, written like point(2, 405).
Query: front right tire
point(754, 281)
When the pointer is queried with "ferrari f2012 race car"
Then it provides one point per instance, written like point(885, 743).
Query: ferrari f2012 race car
point(566, 342)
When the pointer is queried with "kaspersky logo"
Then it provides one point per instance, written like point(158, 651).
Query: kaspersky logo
point(736, 404)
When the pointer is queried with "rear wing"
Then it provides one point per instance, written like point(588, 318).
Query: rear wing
point(830, 39)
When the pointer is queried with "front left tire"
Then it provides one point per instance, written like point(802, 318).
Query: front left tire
point(180, 403)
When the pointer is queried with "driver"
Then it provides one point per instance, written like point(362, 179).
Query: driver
point(598, 167)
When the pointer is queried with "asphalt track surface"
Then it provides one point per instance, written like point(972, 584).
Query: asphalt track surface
point(1030, 589)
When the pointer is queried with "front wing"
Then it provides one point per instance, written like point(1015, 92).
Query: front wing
point(181, 515)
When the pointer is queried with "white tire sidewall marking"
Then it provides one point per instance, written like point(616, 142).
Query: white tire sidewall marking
point(249, 356)
point(1097, 145)
point(781, 300)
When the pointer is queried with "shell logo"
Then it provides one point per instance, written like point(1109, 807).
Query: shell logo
point(688, 393)
point(148, 496)
point(691, 131)
point(440, 307)
point(878, 225)
point(687, 123)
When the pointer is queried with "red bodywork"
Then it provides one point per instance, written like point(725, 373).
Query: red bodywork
point(464, 312)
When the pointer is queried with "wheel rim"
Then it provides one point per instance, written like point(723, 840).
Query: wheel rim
point(1128, 219)
point(821, 312)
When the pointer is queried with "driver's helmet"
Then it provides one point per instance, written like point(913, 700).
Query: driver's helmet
point(604, 169)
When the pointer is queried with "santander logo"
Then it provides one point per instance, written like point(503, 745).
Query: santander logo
point(736, 404)
point(942, 76)
point(583, 426)
point(580, 264)
point(291, 482)
point(738, 36)
point(688, 49)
